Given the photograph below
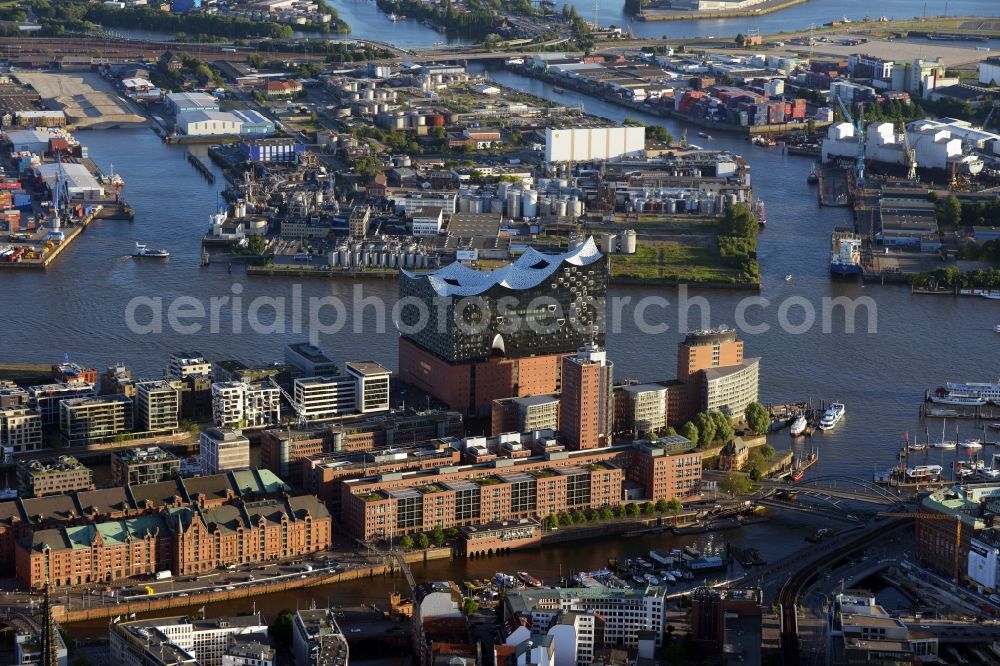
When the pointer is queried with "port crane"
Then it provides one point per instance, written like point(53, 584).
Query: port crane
point(859, 130)
point(909, 155)
point(956, 519)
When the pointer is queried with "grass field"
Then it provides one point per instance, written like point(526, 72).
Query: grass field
point(672, 261)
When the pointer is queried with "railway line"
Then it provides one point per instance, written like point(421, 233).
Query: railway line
point(790, 590)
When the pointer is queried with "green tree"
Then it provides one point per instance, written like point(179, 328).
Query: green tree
point(741, 39)
point(647, 507)
point(551, 521)
point(256, 244)
point(706, 428)
point(406, 542)
point(281, 629)
point(757, 418)
point(470, 606)
point(724, 431)
point(689, 431)
point(423, 541)
point(661, 505)
point(632, 509)
point(607, 513)
point(674, 506)
point(566, 519)
point(437, 535)
point(736, 484)
point(451, 533)
point(368, 167)
point(951, 211)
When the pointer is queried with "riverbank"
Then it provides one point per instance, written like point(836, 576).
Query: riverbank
point(768, 7)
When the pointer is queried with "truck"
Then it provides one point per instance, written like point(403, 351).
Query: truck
point(163, 575)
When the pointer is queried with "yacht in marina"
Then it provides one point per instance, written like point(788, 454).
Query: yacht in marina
point(832, 416)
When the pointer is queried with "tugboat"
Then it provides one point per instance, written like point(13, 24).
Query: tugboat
point(141, 251)
point(813, 176)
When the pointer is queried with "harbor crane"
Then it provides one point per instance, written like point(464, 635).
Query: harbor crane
point(859, 130)
point(956, 519)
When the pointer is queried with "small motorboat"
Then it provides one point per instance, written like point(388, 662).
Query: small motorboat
point(971, 444)
point(788, 278)
point(798, 426)
point(996, 329)
point(143, 251)
point(995, 426)
point(915, 446)
point(557, 89)
point(813, 176)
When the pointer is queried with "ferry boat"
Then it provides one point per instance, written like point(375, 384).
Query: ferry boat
point(798, 426)
point(845, 253)
point(968, 393)
point(832, 416)
point(924, 472)
point(528, 579)
point(143, 251)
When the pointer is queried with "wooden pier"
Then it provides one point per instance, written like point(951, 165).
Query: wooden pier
point(203, 167)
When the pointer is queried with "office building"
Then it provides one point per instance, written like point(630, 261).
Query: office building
point(38, 478)
point(586, 406)
point(702, 350)
point(728, 621)
point(20, 430)
point(149, 464)
point(324, 398)
point(157, 406)
point(94, 420)
point(729, 390)
point(283, 450)
point(245, 405)
point(426, 221)
point(310, 360)
point(862, 632)
point(185, 364)
point(248, 653)
point(372, 385)
point(45, 398)
point(514, 326)
point(183, 640)
point(645, 409)
point(357, 223)
point(186, 539)
point(317, 639)
point(625, 614)
point(224, 450)
point(413, 491)
point(528, 414)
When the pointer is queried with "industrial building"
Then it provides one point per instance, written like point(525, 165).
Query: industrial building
point(934, 146)
point(181, 102)
point(587, 144)
point(208, 123)
point(270, 150)
point(78, 184)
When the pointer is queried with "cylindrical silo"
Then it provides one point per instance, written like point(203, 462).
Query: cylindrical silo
point(514, 204)
point(628, 241)
point(609, 243)
point(529, 204)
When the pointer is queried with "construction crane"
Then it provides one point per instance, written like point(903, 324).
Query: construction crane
point(957, 563)
point(859, 130)
point(300, 418)
point(989, 115)
point(910, 156)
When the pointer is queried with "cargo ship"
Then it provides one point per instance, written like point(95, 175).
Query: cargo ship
point(845, 253)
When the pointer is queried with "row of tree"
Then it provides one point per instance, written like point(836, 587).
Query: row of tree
point(738, 242)
point(951, 277)
point(708, 428)
point(438, 537)
point(578, 517)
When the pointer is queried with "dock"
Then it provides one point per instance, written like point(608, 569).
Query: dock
point(834, 187)
point(202, 166)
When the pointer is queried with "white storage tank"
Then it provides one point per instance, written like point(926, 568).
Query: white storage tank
point(629, 241)
point(331, 258)
point(496, 206)
point(609, 243)
point(514, 205)
point(561, 206)
point(529, 204)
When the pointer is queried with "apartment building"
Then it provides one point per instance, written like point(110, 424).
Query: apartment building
point(186, 364)
point(586, 406)
point(149, 464)
point(317, 639)
point(536, 412)
point(223, 450)
point(38, 478)
point(96, 419)
point(283, 450)
point(45, 398)
point(646, 408)
point(157, 406)
point(245, 405)
point(20, 430)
